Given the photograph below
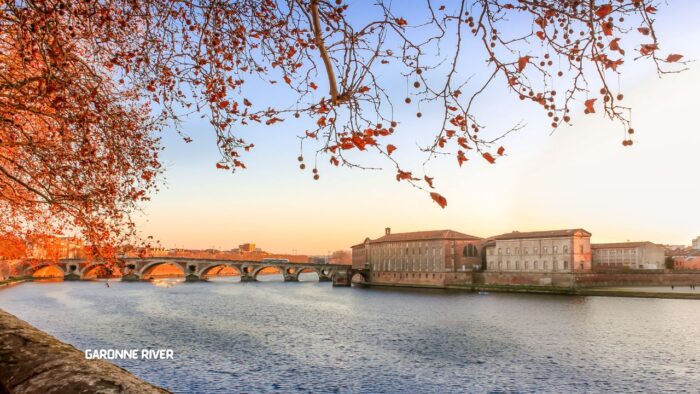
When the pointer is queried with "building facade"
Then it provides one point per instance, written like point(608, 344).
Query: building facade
point(419, 258)
point(629, 255)
point(561, 251)
point(696, 243)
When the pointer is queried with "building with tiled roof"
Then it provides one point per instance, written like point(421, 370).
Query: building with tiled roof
point(434, 257)
point(551, 251)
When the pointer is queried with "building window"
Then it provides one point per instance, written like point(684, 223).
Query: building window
point(471, 251)
point(517, 250)
point(555, 249)
point(566, 249)
point(508, 264)
point(524, 250)
point(499, 251)
point(534, 265)
point(535, 250)
point(544, 250)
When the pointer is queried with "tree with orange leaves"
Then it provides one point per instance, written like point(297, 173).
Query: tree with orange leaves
point(77, 147)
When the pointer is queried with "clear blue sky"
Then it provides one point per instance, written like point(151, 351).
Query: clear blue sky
point(581, 176)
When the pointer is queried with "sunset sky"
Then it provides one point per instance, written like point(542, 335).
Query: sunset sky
point(580, 176)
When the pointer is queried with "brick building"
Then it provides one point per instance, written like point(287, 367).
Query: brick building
point(421, 258)
point(687, 262)
point(631, 255)
point(539, 251)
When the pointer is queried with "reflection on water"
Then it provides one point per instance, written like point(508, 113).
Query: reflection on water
point(301, 337)
point(167, 282)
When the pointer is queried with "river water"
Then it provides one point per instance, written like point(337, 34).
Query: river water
point(290, 337)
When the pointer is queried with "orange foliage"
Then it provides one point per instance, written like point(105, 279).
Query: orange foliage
point(77, 148)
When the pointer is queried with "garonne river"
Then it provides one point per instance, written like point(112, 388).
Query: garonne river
point(308, 336)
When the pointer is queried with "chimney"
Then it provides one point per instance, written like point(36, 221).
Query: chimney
point(387, 231)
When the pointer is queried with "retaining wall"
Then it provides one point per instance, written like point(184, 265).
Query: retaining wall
point(32, 361)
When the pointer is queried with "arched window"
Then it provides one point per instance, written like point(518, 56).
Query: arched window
point(471, 251)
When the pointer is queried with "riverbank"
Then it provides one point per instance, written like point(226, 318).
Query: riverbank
point(527, 289)
point(33, 361)
point(551, 290)
point(13, 281)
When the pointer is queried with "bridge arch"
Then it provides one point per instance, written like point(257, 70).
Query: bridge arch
point(307, 270)
point(45, 270)
point(257, 270)
point(358, 277)
point(209, 269)
point(146, 271)
point(99, 269)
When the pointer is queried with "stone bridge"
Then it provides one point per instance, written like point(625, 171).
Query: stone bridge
point(137, 269)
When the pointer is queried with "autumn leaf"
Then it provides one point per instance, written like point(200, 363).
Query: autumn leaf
point(429, 181)
point(647, 49)
point(589, 105)
point(401, 21)
point(461, 158)
point(223, 104)
point(313, 86)
point(522, 62)
point(390, 148)
point(604, 10)
point(222, 166)
point(501, 150)
point(440, 200)
point(674, 58)
point(334, 161)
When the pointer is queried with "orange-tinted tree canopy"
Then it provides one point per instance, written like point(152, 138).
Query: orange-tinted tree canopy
point(77, 142)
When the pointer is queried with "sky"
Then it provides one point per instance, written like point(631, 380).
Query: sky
point(578, 176)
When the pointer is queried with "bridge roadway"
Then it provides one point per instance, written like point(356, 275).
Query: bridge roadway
point(194, 270)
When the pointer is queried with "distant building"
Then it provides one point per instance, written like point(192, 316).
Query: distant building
point(633, 255)
point(687, 262)
point(539, 251)
point(246, 248)
point(696, 243)
point(423, 257)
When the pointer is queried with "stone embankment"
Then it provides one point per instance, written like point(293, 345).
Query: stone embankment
point(32, 361)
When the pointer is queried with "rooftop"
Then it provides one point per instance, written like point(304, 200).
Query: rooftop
point(542, 234)
point(424, 236)
point(622, 245)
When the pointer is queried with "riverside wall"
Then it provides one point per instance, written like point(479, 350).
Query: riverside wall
point(32, 361)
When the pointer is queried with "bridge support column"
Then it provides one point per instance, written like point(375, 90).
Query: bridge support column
point(131, 277)
point(192, 278)
point(71, 276)
point(324, 278)
point(342, 279)
point(290, 278)
point(247, 278)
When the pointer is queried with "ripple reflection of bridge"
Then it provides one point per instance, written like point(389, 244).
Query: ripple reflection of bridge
point(194, 270)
